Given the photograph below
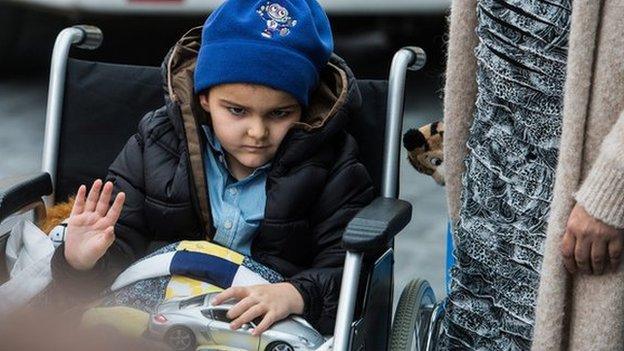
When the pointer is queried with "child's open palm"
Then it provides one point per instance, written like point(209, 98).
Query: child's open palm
point(90, 229)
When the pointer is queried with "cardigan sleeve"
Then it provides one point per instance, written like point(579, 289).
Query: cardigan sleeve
point(602, 191)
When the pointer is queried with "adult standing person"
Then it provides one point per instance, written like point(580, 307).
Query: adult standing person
point(534, 104)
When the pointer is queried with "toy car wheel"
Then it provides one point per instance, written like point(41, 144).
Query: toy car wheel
point(279, 346)
point(181, 339)
point(411, 319)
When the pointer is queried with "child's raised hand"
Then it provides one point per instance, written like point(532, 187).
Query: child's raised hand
point(90, 229)
point(273, 301)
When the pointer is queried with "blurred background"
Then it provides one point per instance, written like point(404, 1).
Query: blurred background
point(366, 34)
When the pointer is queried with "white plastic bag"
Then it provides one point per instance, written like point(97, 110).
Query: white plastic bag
point(28, 255)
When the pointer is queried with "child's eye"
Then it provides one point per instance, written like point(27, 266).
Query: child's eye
point(236, 111)
point(279, 114)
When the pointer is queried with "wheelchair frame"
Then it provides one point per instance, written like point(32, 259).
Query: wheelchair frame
point(375, 225)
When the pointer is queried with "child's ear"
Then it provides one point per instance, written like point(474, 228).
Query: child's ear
point(203, 101)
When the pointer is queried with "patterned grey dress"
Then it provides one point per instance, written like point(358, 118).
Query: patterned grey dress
point(510, 169)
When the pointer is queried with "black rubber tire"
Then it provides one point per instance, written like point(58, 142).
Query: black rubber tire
point(171, 333)
point(411, 319)
point(279, 346)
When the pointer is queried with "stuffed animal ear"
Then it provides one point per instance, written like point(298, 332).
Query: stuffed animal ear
point(413, 139)
point(436, 127)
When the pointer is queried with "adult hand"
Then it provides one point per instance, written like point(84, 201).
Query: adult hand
point(90, 228)
point(273, 301)
point(589, 245)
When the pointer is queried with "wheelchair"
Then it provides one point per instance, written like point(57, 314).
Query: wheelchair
point(94, 107)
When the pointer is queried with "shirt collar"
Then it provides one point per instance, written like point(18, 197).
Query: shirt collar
point(212, 141)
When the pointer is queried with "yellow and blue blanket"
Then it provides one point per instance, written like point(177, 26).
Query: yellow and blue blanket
point(183, 269)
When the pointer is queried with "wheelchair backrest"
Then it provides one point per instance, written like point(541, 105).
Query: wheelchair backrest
point(102, 107)
point(104, 102)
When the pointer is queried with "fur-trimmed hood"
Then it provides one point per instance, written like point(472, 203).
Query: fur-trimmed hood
point(331, 104)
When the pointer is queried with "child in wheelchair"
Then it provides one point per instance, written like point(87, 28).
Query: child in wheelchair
point(250, 153)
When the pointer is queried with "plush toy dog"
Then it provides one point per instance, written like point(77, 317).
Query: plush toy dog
point(424, 146)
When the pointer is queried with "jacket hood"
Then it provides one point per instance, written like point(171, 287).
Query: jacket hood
point(335, 99)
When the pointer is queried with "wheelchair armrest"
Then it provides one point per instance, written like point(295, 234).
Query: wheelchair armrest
point(19, 192)
point(376, 224)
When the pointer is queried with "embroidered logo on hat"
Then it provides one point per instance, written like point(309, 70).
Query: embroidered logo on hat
point(278, 19)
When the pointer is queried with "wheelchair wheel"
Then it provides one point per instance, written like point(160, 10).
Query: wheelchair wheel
point(411, 319)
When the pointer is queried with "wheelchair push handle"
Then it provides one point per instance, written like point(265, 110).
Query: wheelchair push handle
point(410, 58)
point(84, 37)
point(419, 58)
point(92, 37)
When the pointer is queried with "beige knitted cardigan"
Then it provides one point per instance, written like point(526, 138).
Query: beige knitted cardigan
point(581, 312)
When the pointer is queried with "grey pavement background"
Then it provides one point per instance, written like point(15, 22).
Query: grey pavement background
point(420, 248)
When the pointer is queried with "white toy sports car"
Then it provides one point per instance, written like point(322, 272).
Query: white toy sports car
point(186, 324)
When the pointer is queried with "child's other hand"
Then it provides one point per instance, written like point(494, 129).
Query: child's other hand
point(90, 229)
point(589, 245)
point(273, 301)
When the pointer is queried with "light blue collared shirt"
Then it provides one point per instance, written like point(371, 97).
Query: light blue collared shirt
point(237, 206)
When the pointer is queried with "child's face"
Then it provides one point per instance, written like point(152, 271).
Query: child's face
point(250, 122)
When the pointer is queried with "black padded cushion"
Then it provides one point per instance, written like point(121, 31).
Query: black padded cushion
point(376, 224)
point(369, 127)
point(19, 192)
point(102, 107)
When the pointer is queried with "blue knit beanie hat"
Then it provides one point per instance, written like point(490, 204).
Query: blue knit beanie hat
point(283, 44)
